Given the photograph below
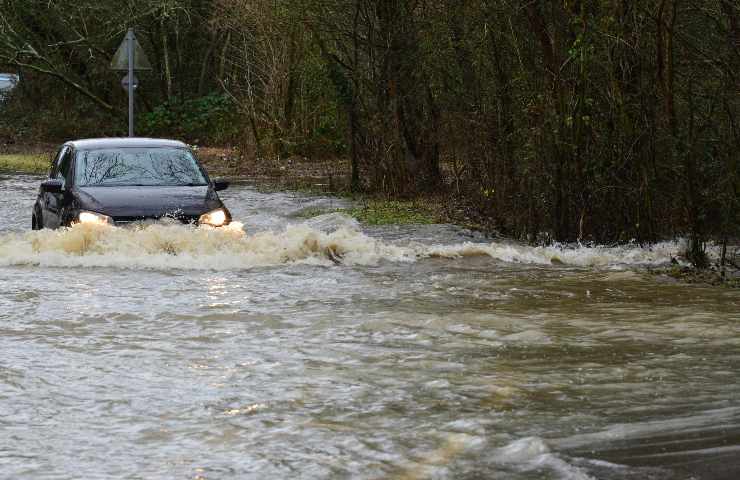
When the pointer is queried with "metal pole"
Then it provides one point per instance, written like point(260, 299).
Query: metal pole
point(130, 41)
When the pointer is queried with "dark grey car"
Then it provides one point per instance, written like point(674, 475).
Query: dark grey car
point(122, 180)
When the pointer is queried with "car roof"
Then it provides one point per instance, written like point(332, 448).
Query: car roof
point(96, 143)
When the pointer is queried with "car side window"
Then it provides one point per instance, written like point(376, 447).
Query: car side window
point(65, 165)
point(57, 160)
point(62, 165)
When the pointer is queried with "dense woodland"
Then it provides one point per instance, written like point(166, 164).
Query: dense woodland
point(601, 120)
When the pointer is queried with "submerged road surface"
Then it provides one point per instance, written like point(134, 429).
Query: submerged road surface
point(323, 349)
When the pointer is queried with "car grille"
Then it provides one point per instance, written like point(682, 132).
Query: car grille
point(129, 220)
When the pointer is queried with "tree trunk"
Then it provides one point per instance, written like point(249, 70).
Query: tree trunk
point(557, 158)
point(291, 84)
point(411, 122)
point(166, 61)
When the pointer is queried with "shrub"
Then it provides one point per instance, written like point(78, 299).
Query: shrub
point(210, 119)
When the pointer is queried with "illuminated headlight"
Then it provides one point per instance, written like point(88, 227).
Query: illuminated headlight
point(92, 217)
point(215, 218)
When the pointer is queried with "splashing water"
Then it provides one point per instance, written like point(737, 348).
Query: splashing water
point(169, 245)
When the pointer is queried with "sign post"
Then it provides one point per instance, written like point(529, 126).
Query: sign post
point(131, 53)
point(130, 58)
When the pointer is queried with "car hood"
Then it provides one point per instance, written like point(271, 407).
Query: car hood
point(147, 201)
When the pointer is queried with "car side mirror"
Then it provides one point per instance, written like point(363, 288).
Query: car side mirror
point(220, 184)
point(52, 186)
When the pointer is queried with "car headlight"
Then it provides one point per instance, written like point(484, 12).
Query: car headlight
point(214, 218)
point(94, 218)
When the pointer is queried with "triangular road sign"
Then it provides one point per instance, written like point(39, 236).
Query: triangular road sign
point(120, 59)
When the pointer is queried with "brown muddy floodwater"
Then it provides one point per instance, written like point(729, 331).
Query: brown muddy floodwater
point(417, 352)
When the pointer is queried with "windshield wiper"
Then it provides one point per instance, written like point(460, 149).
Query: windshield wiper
point(147, 185)
point(115, 185)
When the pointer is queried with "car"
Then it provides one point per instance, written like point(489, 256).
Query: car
point(118, 181)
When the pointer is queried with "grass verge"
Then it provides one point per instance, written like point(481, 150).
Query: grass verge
point(392, 212)
point(26, 163)
point(382, 212)
point(713, 275)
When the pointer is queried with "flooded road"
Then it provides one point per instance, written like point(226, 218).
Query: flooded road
point(324, 349)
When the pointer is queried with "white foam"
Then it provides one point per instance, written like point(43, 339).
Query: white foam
point(657, 254)
point(532, 453)
point(522, 450)
point(334, 238)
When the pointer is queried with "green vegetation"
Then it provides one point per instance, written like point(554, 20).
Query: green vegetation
point(381, 212)
point(390, 212)
point(603, 121)
point(211, 117)
point(24, 163)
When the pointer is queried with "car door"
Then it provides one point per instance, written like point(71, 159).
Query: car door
point(54, 203)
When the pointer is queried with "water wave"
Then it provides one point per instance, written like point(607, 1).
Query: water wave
point(170, 245)
point(533, 454)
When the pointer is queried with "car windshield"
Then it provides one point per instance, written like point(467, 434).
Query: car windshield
point(137, 167)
